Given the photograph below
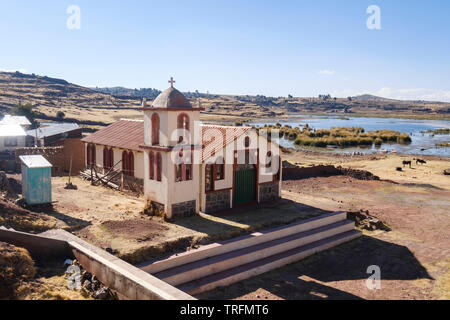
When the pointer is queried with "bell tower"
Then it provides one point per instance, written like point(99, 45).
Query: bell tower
point(171, 176)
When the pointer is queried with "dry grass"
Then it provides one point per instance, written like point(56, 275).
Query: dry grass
point(16, 266)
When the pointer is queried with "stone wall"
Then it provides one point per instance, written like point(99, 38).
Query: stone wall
point(54, 155)
point(269, 192)
point(184, 209)
point(217, 201)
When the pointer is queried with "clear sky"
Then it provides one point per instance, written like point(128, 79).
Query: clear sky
point(275, 48)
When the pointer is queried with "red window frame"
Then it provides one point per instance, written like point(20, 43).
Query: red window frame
point(155, 129)
point(152, 165)
point(158, 166)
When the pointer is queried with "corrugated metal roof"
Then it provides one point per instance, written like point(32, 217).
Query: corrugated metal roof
point(20, 120)
point(11, 130)
point(125, 134)
point(52, 130)
point(35, 161)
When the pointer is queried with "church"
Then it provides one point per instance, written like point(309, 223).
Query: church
point(185, 166)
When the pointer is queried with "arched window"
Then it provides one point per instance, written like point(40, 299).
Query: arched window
point(88, 155)
point(131, 164)
point(220, 169)
point(183, 121)
point(106, 161)
point(247, 142)
point(152, 165)
point(209, 177)
point(91, 161)
point(269, 160)
point(182, 124)
point(125, 163)
point(111, 158)
point(155, 129)
point(158, 166)
point(183, 170)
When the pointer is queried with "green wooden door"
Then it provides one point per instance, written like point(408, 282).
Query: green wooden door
point(244, 186)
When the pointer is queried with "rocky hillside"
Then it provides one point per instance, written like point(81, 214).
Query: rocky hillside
point(101, 106)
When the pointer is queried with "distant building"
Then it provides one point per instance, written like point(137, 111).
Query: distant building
point(19, 120)
point(12, 136)
point(54, 134)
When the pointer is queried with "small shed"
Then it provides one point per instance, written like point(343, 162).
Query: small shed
point(36, 179)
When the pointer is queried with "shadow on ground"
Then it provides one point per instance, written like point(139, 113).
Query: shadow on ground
point(247, 219)
point(72, 223)
point(346, 262)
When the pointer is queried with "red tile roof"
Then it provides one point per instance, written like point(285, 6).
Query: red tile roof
point(129, 134)
point(211, 142)
point(125, 134)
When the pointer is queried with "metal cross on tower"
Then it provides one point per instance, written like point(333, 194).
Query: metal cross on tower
point(171, 81)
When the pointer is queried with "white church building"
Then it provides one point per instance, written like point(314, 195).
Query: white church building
point(187, 167)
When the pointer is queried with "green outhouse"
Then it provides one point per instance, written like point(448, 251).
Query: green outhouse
point(36, 180)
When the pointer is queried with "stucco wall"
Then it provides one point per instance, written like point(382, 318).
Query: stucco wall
point(21, 143)
point(138, 159)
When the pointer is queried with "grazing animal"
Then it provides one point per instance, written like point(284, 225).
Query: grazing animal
point(420, 161)
point(399, 169)
point(407, 163)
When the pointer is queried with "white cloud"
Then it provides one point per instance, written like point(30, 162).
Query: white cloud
point(401, 94)
point(327, 72)
point(13, 70)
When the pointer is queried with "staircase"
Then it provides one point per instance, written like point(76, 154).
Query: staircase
point(221, 264)
point(4, 228)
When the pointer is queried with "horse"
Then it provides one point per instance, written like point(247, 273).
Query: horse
point(407, 163)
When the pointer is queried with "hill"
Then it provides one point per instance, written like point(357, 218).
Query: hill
point(370, 97)
point(100, 106)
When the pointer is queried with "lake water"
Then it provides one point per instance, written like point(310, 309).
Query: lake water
point(422, 143)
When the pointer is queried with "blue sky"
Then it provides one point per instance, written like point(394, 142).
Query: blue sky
point(275, 48)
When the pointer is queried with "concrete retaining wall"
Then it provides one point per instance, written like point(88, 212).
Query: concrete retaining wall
point(38, 246)
point(128, 281)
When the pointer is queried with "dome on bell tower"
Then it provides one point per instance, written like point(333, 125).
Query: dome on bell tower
point(171, 98)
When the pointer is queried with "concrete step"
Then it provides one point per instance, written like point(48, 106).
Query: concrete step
point(243, 242)
point(254, 268)
point(4, 228)
point(211, 265)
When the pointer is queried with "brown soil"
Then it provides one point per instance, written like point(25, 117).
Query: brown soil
point(414, 257)
point(141, 230)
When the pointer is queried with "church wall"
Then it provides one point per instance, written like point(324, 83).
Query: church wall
point(163, 126)
point(265, 176)
point(155, 190)
point(183, 191)
point(138, 160)
point(173, 124)
point(138, 165)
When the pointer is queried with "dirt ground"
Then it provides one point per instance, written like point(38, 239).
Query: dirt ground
point(414, 257)
point(112, 220)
